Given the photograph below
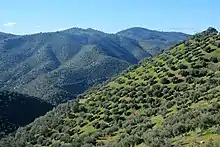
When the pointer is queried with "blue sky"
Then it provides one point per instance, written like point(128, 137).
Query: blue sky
point(31, 16)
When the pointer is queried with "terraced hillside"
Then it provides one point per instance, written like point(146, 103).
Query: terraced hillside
point(17, 110)
point(169, 100)
point(57, 66)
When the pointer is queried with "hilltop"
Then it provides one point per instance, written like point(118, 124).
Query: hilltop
point(169, 100)
point(151, 40)
point(18, 110)
point(57, 66)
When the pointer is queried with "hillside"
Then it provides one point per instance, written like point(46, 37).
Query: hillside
point(169, 100)
point(17, 110)
point(5, 35)
point(58, 66)
point(151, 40)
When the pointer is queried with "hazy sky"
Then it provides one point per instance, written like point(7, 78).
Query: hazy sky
point(31, 16)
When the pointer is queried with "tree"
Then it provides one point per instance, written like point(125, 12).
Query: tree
point(176, 80)
point(169, 74)
point(179, 128)
point(184, 72)
point(208, 49)
point(198, 72)
point(90, 140)
point(199, 64)
point(103, 125)
point(164, 81)
point(214, 59)
point(186, 43)
point(182, 66)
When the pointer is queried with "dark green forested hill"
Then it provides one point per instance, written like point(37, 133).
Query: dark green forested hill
point(172, 99)
point(151, 40)
point(59, 65)
point(17, 110)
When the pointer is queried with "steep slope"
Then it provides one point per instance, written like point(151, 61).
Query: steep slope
point(58, 66)
point(151, 40)
point(169, 100)
point(17, 110)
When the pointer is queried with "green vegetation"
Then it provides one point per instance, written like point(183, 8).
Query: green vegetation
point(18, 110)
point(140, 107)
point(153, 41)
point(60, 65)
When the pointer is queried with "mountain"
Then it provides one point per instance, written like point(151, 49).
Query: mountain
point(17, 110)
point(168, 100)
point(58, 66)
point(151, 40)
point(5, 35)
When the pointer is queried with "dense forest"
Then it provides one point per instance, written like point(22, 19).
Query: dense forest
point(168, 100)
point(18, 110)
point(57, 66)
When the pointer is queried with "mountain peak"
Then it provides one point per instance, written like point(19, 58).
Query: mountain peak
point(145, 37)
point(208, 31)
point(212, 30)
point(80, 31)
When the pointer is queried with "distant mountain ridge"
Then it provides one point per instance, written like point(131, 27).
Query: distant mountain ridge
point(59, 65)
point(151, 40)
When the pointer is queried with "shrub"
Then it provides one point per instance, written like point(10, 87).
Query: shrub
point(208, 49)
point(181, 87)
point(176, 80)
point(56, 136)
point(186, 43)
point(66, 138)
point(169, 74)
point(199, 64)
point(152, 81)
point(218, 44)
point(164, 81)
point(198, 72)
point(200, 81)
point(111, 130)
point(96, 125)
point(214, 59)
point(182, 66)
point(184, 73)
point(189, 59)
point(179, 128)
point(169, 61)
point(103, 125)
point(89, 140)
point(173, 68)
